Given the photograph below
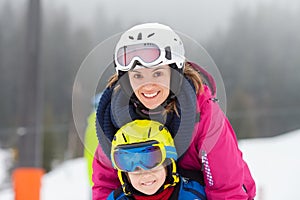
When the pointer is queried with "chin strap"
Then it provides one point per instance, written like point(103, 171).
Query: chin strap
point(174, 175)
point(124, 182)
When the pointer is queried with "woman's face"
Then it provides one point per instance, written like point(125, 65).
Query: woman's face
point(148, 181)
point(151, 85)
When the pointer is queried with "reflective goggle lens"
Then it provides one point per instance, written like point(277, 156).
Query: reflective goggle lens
point(146, 157)
point(147, 52)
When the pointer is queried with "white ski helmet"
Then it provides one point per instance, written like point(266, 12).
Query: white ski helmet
point(149, 44)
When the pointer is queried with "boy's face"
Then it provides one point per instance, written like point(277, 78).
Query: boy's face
point(148, 181)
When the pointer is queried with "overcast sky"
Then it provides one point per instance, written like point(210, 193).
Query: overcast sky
point(182, 16)
point(196, 18)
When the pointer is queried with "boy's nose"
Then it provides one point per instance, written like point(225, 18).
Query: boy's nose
point(146, 174)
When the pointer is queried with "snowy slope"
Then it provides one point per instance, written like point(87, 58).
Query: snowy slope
point(275, 165)
point(68, 181)
point(5, 164)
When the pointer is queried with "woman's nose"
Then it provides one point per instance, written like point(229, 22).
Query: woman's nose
point(148, 86)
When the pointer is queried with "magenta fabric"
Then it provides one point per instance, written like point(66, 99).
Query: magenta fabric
point(214, 149)
point(226, 174)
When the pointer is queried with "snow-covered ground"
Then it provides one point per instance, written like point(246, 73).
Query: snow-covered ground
point(4, 165)
point(273, 162)
point(67, 181)
point(275, 165)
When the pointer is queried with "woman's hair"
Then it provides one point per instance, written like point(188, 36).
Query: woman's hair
point(191, 73)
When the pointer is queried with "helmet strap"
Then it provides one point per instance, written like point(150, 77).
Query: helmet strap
point(172, 174)
point(126, 186)
point(176, 79)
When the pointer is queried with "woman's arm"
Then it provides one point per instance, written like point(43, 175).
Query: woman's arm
point(226, 174)
point(104, 176)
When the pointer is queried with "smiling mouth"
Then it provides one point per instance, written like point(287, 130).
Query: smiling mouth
point(150, 95)
point(148, 183)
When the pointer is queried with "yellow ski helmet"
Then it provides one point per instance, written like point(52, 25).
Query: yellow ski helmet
point(144, 144)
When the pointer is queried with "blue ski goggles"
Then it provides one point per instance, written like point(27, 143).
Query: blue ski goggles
point(146, 155)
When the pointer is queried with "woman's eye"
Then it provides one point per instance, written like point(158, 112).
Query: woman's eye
point(137, 76)
point(157, 74)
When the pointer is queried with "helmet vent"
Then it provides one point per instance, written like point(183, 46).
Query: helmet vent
point(161, 128)
point(168, 53)
point(124, 137)
point(150, 35)
point(139, 36)
point(149, 132)
point(131, 37)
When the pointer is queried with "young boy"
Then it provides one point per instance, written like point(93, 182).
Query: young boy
point(144, 154)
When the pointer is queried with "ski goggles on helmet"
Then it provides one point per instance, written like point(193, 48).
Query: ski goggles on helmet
point(146, 155)
point(147, 54)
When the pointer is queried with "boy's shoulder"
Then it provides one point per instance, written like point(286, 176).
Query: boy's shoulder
point(189, 189)
point(117, 194)
point(186, 189)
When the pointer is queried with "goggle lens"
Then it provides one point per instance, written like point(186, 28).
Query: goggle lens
point(147, 52)
point(144, 157)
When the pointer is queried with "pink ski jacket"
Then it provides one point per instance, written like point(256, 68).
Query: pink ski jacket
point(213, 150)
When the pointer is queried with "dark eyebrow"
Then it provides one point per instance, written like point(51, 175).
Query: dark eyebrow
point(155, 69)
point(158, 68)
point(135, 71)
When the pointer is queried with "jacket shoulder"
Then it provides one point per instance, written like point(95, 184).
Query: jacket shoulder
point(207, 78)
point(117, 194)
point(190, 189)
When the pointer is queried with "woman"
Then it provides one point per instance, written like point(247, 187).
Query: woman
point(154, 81)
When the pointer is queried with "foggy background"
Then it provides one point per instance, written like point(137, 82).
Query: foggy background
point(255, 45)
